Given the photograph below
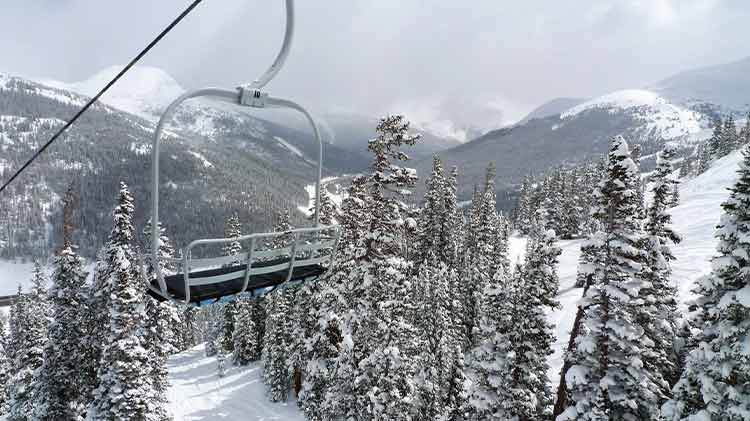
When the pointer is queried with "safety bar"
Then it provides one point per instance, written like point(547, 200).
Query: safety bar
point(185, 261)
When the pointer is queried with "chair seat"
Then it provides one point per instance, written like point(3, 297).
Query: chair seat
point(216, 283)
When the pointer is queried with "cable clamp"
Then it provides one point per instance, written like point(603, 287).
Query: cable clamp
point(253, 97)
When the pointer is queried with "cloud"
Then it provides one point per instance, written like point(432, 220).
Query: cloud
point(469, 58)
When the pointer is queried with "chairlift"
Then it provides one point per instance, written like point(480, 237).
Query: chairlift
point(309, 252)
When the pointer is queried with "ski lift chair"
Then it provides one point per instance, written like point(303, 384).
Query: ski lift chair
point(309, 252)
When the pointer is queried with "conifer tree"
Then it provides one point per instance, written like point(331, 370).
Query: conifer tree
point(63, 389)
point(328, 210)
point(491, 360)
point(433, 211)
point(125, 389)
point(276, 346)
point(159, 332)
point(384, 331)
point(245, 334)
point(607, 378)
point(232, 229)
point(525, 212)
point(27, 339)
point(434, 323)
point(714, 384)
point(5, 367)
point(659, 314)
point(456, 395)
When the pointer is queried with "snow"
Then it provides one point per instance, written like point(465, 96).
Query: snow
point(661, 116)
point(143, 91)
point(206, 163)
point(336, 197)
point(289, 146)
point(695, 219)
point(197, 393)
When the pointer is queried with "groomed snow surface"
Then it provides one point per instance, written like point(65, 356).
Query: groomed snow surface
point(197, 393)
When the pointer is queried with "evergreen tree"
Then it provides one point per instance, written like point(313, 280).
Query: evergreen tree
point(159, 333)
point(328, 210)
point(125, 389)
point(245, 334)
point(490, 362)
point(434, 323)
point(26, 342)
point(63, 389)
point(384, 332)
point(659, 313)
point(433, 212)
point(5, 367)
point(456, 395)
point(232, 229)
point(715, 384)
point(525, 211)
point(276, 345)
point(607, 378)
point(715, 142)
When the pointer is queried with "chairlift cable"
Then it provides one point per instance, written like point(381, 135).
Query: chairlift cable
point(91, 101)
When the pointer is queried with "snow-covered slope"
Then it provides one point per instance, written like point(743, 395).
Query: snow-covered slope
point(695, 219)
point(143, 91)
point(661, 116)
point(197, 393)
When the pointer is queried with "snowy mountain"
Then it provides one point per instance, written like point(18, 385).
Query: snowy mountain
point(578, 133)
point(725, 85)
point(214, 163)
point(144, 91)
point(555, 106)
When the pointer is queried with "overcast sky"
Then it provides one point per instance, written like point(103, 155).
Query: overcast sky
point(480, 60)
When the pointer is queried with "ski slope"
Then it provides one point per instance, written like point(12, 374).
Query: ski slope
point(198, 394)
point(695, 219)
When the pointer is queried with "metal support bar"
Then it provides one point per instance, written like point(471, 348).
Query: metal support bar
point(249, 265)
point(292, 258)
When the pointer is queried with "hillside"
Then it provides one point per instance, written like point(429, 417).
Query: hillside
point(724, 85)
point(197, 393)
point(581, 132)
point(215, 162)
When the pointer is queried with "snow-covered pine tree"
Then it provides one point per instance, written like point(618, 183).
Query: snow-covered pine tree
point(491, 360)
point(524, 211)
point(456, 394)
point(435, 326)
point(483, 261)
point(275, 356)
point(385, 332)
point(432, 212)
point(659, 311)
point(245, 334)
point(327, 390)
point(38, 290)
point(715, 384)
point(63, 390)
point(744, 138)
point(328, 210)
point(730, 139)
point(159, 330)
point(607, 378)
point(715, 142)
point(232, 229)
point(125, 389)
point(5, 366)
point(540, 268)
point(450, 234)
point(28, 332)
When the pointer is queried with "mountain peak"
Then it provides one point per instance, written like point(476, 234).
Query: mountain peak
point(144, 90)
